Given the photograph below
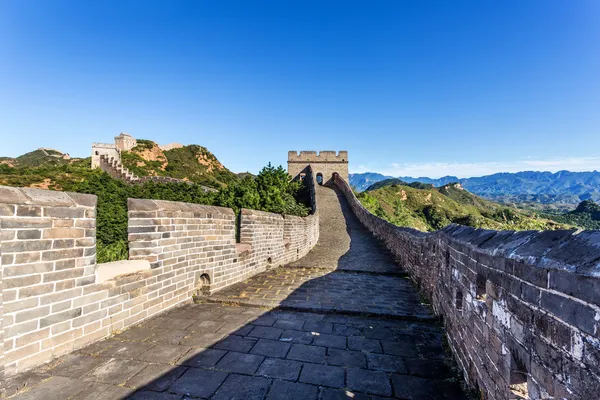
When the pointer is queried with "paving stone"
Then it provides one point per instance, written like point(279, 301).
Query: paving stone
point(176, 323)
point(163, 353)
point(414, 388)
point(280, 369)
point(284, 390)
point(313, 354)
point(23, 381)
point(206, 326)
point(338, 342)
point(236, 329)
point(115, 371)
point(202, 339)
point(76, 365)
point(323, 375)
point(135, 334)
point(242, 387)
point(271, 348)
point(155, 377)
point(318, 326)
point(264, 321)
point(236, 343)
point(299, 337)
point(346, 330)
point(202, 358)
point(101, 391)
point(366, 345)
point(266, 332)
point(198, 382)
point(289, 324)
point(241, 363)
point(57, 387)
point(429, 368)
point(98, 347)
point(373, 382)
point(148, 395)
point(384, 362)
point(340, 394)
point(233, 318)
point(346, 358)
point(404, 349)
point(127, 349)
point(168, 336)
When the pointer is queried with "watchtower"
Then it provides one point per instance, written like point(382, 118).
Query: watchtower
point(324, 164)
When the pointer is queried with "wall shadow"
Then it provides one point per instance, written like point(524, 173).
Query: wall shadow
point(355, 331)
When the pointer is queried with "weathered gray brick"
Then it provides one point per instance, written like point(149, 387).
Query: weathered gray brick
point(29, 234)
point(29, 211)
point(60, 317)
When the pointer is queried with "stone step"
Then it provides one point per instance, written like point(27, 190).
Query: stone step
point(276, 306)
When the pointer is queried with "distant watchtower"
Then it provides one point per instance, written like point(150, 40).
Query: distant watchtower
point(324, 164)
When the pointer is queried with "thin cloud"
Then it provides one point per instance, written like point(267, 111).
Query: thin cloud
point(466, 170)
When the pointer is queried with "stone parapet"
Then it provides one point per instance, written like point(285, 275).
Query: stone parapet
point(521, 309)
point(55, 298)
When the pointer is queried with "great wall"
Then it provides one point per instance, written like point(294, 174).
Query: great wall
point(324, 306)
point(107, 157)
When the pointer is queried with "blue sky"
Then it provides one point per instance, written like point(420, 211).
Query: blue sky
point(407, 87)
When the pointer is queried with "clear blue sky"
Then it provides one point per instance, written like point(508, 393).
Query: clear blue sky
point(419, 87)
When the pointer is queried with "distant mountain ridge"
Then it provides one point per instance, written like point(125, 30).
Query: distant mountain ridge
point(520, 187)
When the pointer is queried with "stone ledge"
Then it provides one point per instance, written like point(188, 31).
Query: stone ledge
point(242, 248)
point(42, 197)
point(108, 271)
point(164, 205)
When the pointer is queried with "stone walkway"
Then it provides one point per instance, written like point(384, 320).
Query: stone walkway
point(342, 323)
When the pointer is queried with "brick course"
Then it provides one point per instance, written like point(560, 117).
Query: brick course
point(50, 303)
point(512, 302)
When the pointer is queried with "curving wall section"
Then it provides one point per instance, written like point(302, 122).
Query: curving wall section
point(56, 299)
point(521, 309)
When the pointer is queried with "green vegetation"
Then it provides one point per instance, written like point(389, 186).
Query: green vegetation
point(271, 190)
point(423, 207)
point(194, 163)
point(585, 216)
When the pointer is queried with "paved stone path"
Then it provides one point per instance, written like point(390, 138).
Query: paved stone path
point(322, 341)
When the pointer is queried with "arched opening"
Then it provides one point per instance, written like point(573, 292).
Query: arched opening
point(203, 285)
point(302, 176)
point(320, 178)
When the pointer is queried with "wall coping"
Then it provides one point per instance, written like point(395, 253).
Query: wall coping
point(166, 205)
point(44, 197)
point(108, 271)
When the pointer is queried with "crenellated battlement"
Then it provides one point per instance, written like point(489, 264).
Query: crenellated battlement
point(318, 156)
point(324, 163)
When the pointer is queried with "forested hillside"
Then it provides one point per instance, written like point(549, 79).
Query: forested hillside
point(271, 190)
point(585, 216)
point(426, 208)
point(193, 163)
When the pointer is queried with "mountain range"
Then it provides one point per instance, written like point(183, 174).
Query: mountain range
point(563, 187)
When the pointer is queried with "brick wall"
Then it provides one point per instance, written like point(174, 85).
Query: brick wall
point(51, 303)
point(519, 307)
